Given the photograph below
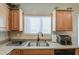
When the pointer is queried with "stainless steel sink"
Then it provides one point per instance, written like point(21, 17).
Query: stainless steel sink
point(38, 43)
point(16, 43)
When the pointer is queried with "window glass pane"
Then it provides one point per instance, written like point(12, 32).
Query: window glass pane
point(31, 24)
point(46, 25)
point(27, 24)
point(35, 24)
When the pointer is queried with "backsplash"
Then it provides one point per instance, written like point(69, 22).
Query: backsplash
point(3, 36)
point(18, 35)
point(61, 33)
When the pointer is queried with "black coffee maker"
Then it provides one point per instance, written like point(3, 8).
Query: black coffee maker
point(64, 39)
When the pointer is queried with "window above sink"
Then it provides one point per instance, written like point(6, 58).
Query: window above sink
point(35, 24)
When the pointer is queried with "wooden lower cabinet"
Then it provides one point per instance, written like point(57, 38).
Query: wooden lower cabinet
point(32, 52)
point(76, 51)
point(16, 52)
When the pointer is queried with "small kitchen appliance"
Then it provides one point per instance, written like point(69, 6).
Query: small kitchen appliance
point(64, 39)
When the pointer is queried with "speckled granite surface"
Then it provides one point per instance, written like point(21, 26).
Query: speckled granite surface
point(4, 49)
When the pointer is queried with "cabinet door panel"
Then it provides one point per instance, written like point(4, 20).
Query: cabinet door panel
point(38, 52)
point(77, 52)
point(15, 20)
point(16, 52)
point(59, 20)
point(63, 20)
point(67, 20)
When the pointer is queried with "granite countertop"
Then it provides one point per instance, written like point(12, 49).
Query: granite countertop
point(4, 49)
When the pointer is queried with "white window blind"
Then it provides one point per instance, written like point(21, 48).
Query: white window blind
point(36, 24)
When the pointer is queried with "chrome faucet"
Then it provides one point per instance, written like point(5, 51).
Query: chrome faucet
point(39, 38)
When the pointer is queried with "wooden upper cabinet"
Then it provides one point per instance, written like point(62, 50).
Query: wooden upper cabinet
point(4, 13)
point(15, 20)
point(63, 20)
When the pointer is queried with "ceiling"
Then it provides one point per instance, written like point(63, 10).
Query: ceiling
point(45, 8)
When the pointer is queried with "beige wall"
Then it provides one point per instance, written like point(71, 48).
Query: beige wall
point(45, 8)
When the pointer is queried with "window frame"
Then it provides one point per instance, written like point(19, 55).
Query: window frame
point(37, 33)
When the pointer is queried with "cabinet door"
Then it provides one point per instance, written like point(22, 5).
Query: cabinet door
point(77, 52)
point(16, 52)
point(10, 20)
point(15, 20)
point(13, 52)
point(38, 52)
point(67, 20)
point(59, 20)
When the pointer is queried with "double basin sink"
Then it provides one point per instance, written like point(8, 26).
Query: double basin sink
point(38, 43)
point(29, 43)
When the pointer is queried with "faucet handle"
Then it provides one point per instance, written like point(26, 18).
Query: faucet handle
point(41, 34)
